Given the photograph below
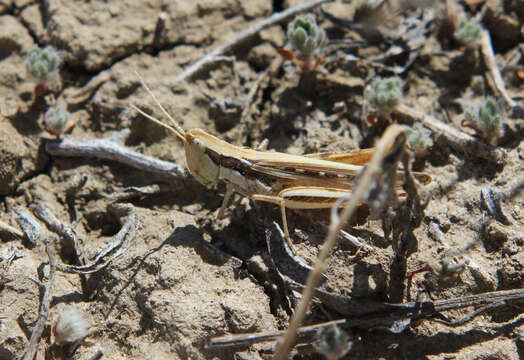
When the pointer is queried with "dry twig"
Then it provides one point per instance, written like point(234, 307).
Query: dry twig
point(79, 95)
point(112, 148)
point(246, 339)
point(115, 248)
point(380, 314)
point(10, 254)
point(370, 314)
point(32, 346)
point(260, 84)
point(97, 355)
point(30, 226)
point(373, 170)
point(241, 131)
point(11, 231)
point(136, 192)
point(489, 59)
point(457, 139)
point(59, 228)
point(471, 316)
point(286, 263)
point(355, 241)
point(191, 70)
point(491, 201)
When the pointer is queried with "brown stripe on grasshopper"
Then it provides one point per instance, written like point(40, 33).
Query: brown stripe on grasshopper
point(278, 178)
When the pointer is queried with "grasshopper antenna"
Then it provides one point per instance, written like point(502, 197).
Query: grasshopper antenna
point(158, 122)
point(177, 129)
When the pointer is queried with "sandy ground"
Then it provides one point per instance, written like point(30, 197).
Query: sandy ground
point(188, 277)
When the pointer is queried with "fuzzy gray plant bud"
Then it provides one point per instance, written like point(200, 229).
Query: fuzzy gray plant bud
point(385, 93)
point(419, 139)
point(305, 36)
point(332, 342)
point(43, 64)
point(56, 119)
point(70, 326)
point(486, 118)
point(449, 269)
point(468, 32)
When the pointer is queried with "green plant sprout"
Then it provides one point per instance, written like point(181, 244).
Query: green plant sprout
point(485, 117)
point(57, 120)
point(43, 64)
point(307, 39)
point(384, 94)
point(419, 139)
point(332, 342)
point(468, 32)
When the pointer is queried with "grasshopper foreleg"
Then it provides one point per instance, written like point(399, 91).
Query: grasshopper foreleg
point(282, 203)
point(230, 189)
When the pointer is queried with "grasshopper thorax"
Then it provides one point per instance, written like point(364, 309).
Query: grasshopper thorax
point(199, 163)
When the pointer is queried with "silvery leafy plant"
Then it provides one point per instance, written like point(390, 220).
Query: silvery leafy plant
point(306, 37)
point(385, 93)
point(486, 117)
point(468, 32)
point(332, 342)
point(43, 63)
point(56, 119)
point(419, 139)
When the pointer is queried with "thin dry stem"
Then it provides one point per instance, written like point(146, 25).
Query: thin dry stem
point(79, 95)
point(30, 226)
point(388, 313)
point(245, 339)
point(457, 139)
point(489, 58)
point(355, 241)
point(59, 228)
point(116, 248)
point(32, 346)
point(112, 149)
point(277, 62)
point(471, 316)
point(244, 35)
point(371, 171)
point(11, 231)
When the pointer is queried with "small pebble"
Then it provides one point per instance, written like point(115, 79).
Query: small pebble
point(495, 235)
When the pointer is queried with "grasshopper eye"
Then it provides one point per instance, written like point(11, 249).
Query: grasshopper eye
point(199, 144)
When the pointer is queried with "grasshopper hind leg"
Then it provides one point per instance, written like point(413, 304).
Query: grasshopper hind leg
point(230, 189)
point(284, 224)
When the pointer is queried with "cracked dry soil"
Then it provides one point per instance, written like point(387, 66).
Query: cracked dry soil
point(187, 276)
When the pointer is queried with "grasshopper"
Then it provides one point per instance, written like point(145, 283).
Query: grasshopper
point(314, 181)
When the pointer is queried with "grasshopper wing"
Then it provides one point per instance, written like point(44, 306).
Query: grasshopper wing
point(353, 157)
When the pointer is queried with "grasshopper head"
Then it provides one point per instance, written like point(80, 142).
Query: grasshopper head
point(199, 163)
